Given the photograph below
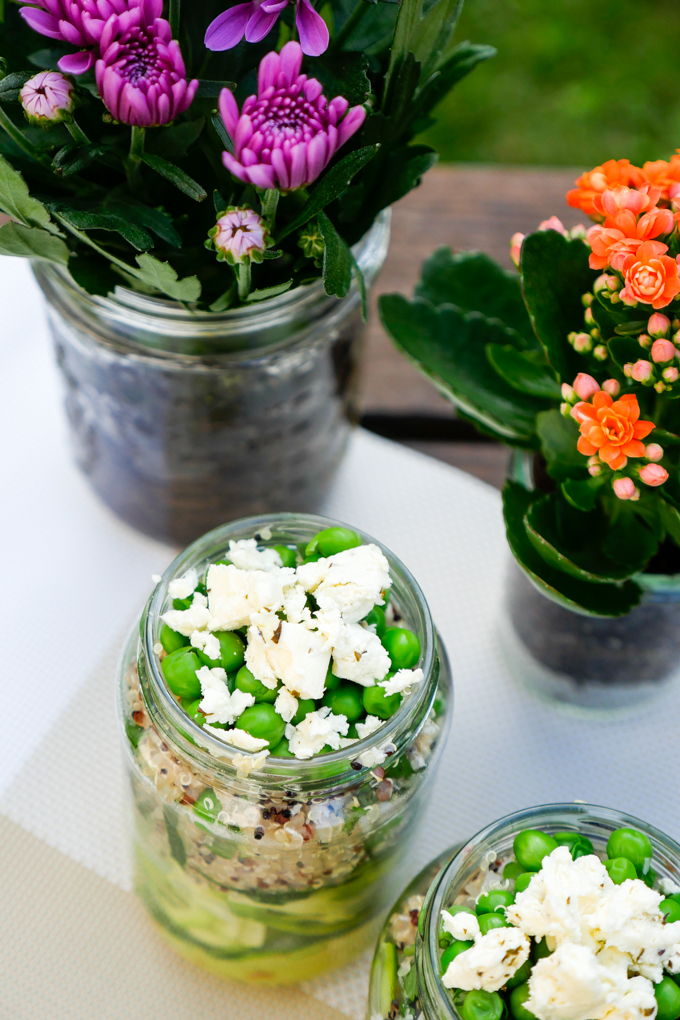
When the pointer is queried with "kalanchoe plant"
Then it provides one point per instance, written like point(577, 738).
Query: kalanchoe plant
point(575, 359)
point(131, 131)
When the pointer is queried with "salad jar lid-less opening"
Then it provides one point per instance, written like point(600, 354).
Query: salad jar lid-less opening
point(257, 864)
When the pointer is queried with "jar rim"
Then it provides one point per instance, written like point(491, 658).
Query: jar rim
point(553, 816)
point(217, 755)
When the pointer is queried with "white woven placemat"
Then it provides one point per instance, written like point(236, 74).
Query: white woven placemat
point(73, 579)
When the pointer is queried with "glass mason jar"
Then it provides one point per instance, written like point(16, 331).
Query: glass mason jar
point(406, 974)
point(278, 872)
point(182, 420)
point(588, 664)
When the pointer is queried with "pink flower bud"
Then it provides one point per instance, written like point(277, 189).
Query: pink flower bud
point(614, 298)
point(516, 247)
point(642, 371)
point(600, 283)
point(588, 317)
point(568, 393)
point(662, 350)
point(579, 231)
point(653, 474)
point(585, 386)
point(239, 235)
point(658, 325)
point(670, 374)
point(47, 98)
point(612, 387)
point(600, 352)
point(645, 341)
point(660, 386)
point(565, 409)
point(653, 451)
point(624, 488)
point(582, 343)
point(628, 370)
point(594, 466)
point(613, 282)
point(586, 299)
point(553, 224)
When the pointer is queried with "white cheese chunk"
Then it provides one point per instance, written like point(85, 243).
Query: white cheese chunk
point(628, 918)
point(316, 730)
point(370, 724)
point(245, 555)
point(184, 586)
point(353, 580)
point(295, 604)
point(286, 705)
point(292, 653)
point(234, 595)
point(186, 621)
point(358, 655)
point(238, 738)
point(462, 925)
point(491, 962)
point(402, 681)
point(372, 757)
point(218, 705)
point(207, 642)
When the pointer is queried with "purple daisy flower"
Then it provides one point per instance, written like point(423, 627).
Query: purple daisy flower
point(78, 22)
point(141, 75)
point(255, 19)
point(288, 133)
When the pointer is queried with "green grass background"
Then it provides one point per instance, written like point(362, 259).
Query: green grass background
point(574, 82)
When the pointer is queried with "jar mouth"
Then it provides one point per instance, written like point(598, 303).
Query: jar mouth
point(214, 754)
point(594, 821)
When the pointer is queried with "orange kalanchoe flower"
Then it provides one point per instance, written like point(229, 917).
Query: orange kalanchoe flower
point(651, 276)
point(611, 429)
point(592, 184)
point(662, 174)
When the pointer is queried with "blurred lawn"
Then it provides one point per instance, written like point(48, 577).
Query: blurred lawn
point(575, 82)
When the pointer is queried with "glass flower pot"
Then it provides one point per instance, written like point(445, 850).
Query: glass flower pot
point(406, 972)
point(279, 871)
point(587, 664)
point(182, 420)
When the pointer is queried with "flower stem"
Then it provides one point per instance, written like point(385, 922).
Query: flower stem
point(269, 202)
point(76, 133)
point(173, 17)
point(134, 162)
point(243, 279)
point(352, 22)
point(19, 137)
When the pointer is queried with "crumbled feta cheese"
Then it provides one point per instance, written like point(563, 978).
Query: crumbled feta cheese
point(295, 604)
point(218, 705)
point(184, 586)
point(289, 731)
point(668, 886)
point(234, 595)
point(360, 656)
point(291, 653)
point(316, 730)
point(372, 757)
point(463, 925)
point(559, 896)
point(239, 738)
point(370, 724)
point(207, 642)
point(353, 580)
point(245, 555)
point(402, 681)
point(186, 621)
point(491, 962)
point(247, 763)
point(286, 705)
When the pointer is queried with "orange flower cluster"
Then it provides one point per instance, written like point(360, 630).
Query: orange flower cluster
point(611, 428)
point(633, 206)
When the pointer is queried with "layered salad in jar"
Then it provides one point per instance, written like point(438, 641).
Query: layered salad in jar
point(275, 788)
point(554, 928)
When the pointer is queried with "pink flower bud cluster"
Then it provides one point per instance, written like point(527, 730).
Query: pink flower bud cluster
point(553, 223)
point(662, 351)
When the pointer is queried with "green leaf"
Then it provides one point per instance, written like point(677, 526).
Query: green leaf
point(464, 59)
point(330, 187)
point(71, 159)
point(211, 89)
point(450, 347)
point(32, 243)
point(559, 436)
point(406, 166)
point(626, 328)
point(342, 74)
point(570, 592)
point(47, 59)
point(398, 99)
point(175, 175)
point(630, 542)
point(662, 436)
point(582, 494)
point(624, 349)
point(337, 259)
point(173, 141)
point(555, 273)
point(83, 220)
point(163, 277)
point(153, 219)
point(269, 292)
point(522, 373)
point(474, 282)
point(93, 275)
point(670, 518)
point(405, 35)
point(432, 35)
point(11, 85)
point(16, 201)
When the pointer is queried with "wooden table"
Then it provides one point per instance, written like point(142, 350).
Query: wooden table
point(464, 206)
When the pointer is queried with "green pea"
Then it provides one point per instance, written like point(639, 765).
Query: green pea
point(288, 556)
point(305, 706)
point(495, 900)
point(352, 732)
point(520, 976)
point(518, 996)
point(674, 896)
point(579, 845)
point(376, 702)
point(335, 540)
point(648, 877)
point(633, 845)
point(332, 682)
point(232, 650)
point(522, 882)
point(208, 805)
point(179, 669)
point(481, 1005)
point(531, 846)
point(262, 722)
point(282, 750)
point(182, 604)
point(246, 682)
point(346, 700)
point(667, 996)
point(513, 870)
point(403, 647)
point(671, 910)
point(540, 949)
point(311, 549)
point(453, 951)
point(191, 708)
point(171, 640)
point(376, 618)
point(460, 908)
point(493, 920)
point(620, 868)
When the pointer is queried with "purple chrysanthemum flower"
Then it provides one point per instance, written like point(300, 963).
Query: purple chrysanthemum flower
point(47, 98)
point(256, 19)
point(286, 134)
point(140, 74)
point(78, 22)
